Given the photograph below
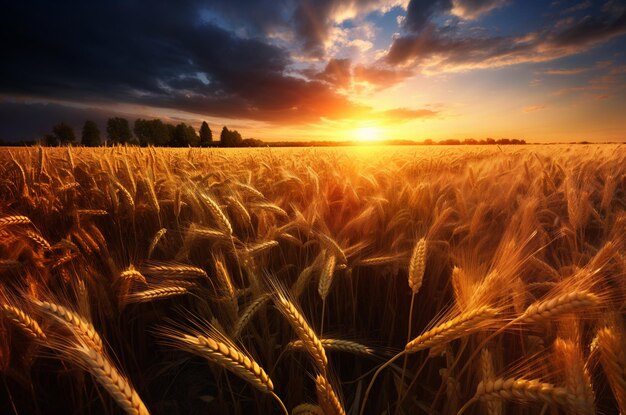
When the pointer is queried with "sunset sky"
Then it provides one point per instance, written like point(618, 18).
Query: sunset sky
point(320, 70)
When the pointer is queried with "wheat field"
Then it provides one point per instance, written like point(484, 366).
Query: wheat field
point(384, 280)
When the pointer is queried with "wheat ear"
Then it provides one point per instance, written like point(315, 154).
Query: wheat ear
point(230, 358)
point(460, 326)
point(576, 378)
point(312, 343)
point(107, 375)
point(548, 309)
point(78, 323)
point(332, 245)
point(92, 212)
point(14, 220)
point(326, 278)
point(217, 348)
point(613, 359)
point(417, 266)
point(307, 409)
point(38, 240)
point(218, 214)
point(248, 312)
point(155, 240)
point(131, 274)
point(175, 271)
point(23, 321)
point(494, 406)
point(327, 398)
point(525, 390)
point(260, 247)
point(337, 345)
point(155, 294)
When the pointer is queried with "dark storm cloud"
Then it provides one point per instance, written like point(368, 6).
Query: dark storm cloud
point(420, 12)
point(309, 21)
point(159, 53)
point(448, 49)
point(31, 121)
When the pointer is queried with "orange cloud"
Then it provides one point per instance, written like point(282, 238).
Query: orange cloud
point(533, 108)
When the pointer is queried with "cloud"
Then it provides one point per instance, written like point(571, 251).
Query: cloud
point(611, 82)
point(533, 108)
point(399, 115)
point(568, 71)
point(420, 13)
point(577, 70)
point(381, 77)
point(341, 73)
point(472, 9)
point(314, 20)
point(164, 56)
point(446, 49)
point(337, 72)
point(30, 121)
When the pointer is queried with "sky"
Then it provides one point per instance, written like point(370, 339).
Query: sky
point(280, 70)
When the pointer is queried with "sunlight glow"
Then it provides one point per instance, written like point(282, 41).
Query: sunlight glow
point(366, 134)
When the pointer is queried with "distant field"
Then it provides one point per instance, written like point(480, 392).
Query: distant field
point(360, 280)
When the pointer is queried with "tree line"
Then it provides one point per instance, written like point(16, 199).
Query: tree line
point(146, 133)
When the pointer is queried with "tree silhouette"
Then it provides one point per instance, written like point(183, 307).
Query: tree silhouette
point(118, 130)
point(91, 134)
point(230, 138)
point(152, 132)
point(185, 135)
point(206, 136)
point(51, 140)
point(62, 134)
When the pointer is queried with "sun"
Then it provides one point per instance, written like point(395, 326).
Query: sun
point(365, 134)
